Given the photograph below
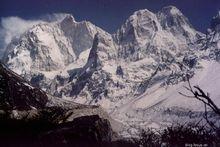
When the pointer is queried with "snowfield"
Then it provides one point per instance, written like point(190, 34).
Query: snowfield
point(159, 106)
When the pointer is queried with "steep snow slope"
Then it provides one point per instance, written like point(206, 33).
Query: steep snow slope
point(162, 106)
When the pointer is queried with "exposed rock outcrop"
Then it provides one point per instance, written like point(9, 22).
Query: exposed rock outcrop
point(30, 116)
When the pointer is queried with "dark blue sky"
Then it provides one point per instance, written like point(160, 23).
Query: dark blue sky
point(110, 14)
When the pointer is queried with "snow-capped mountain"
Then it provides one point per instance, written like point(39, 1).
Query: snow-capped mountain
point(50, 46)
point(135, 73)
point(144, 31)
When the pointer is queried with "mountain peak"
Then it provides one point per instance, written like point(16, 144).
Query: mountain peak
point(142, 11)
point(141, 15)
point(215, 22)
point(171, 10)
point(69, 18)
point(173, 19)
point(93, 56)
point(68, 21)
point(138, 27)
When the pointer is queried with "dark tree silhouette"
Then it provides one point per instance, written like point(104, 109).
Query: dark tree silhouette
point(200, 95)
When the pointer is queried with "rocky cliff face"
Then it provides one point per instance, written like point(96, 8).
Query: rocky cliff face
point(17, 94)
point(24, 108)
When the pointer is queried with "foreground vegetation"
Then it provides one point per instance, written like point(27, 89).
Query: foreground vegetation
point(41, 132)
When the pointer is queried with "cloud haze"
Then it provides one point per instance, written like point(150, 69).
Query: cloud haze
point(14, 26)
